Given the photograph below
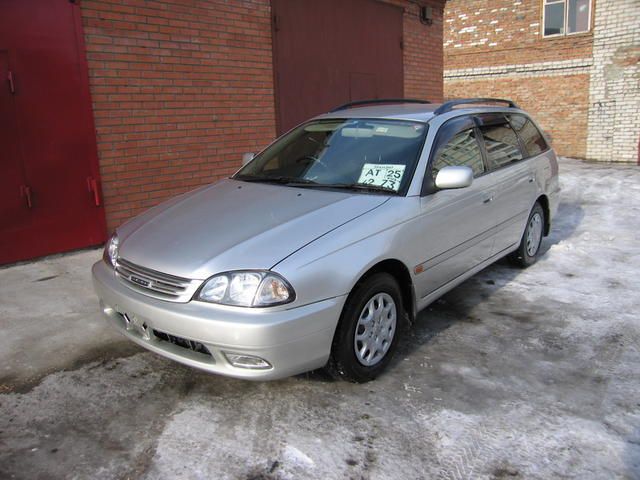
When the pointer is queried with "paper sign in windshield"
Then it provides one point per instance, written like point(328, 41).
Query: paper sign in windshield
point(382, 175)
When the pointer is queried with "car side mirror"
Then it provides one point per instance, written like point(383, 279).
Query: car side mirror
point(247, 157)
point(454, 177)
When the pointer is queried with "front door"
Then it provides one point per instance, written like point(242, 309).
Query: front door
point(456, 225)
point(49, 187)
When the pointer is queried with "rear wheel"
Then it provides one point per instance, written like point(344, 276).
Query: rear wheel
point(527, 252)
point(367, 334)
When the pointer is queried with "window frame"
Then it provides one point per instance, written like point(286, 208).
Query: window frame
point(565, 22)
point(520, 139)
point(467, 122)
point(493, 119)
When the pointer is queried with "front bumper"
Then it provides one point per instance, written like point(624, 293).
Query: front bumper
point(292, 341)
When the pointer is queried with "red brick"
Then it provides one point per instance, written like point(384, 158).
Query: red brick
point(175, 83)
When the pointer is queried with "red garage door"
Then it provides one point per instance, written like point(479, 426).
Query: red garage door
point(334, 51)
point(49, 186)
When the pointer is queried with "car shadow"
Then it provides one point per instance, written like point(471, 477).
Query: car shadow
point(568, 218)
point(457, 305)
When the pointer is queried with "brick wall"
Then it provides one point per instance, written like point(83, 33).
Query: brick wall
point(583, 88)
point(499, 32)
point(174, 85)
point(496, 48)
point(560, 111)
point(614, 119)
point(423, 52)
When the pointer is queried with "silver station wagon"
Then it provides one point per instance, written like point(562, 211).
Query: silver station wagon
point(321, 249)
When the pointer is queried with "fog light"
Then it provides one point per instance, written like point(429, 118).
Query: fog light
point(107, 310)
point(246, 361)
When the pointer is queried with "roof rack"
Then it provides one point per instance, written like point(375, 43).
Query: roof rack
point(448, 106)
point(377, 100)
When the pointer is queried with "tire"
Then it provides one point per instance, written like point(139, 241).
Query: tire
point(376, 297)
point(529, 248)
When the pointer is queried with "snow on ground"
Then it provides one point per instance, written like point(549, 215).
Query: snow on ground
point(514, 374)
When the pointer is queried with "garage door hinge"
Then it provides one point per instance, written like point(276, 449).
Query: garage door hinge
point(10, 79)
point(92, 187)
point(276, 24)
point(25, 191)
point(401, 44)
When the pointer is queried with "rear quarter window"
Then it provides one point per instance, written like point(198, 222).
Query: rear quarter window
point(533, 140)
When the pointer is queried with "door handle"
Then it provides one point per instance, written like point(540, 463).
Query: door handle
point(531, 179)
point(25, 191)
point(92, 186)
point(488, 200)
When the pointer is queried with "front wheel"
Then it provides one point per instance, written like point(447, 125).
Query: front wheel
point(367, 334)
point(527, 252)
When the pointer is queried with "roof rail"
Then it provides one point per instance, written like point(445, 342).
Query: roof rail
point(448, 106)
point(377, 100)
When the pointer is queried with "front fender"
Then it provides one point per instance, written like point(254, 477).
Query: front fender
point(332, 265)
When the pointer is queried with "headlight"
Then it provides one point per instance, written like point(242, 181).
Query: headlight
point(111, 250)
point(247, 289)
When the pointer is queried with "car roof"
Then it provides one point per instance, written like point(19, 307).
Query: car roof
point(417, 112)
point(402, 111)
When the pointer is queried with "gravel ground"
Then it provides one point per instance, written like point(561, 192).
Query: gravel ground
point(514, 374)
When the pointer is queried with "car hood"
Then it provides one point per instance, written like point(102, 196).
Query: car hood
point(235, 225)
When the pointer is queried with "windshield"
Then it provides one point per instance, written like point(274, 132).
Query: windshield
point(362, 154)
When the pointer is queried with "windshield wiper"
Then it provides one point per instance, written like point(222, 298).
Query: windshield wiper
point(305, 182)
point(292, 181)
point(361, 186)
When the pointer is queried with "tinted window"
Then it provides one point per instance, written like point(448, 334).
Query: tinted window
point(462, 149)
point(501, 143)
point(529, 134)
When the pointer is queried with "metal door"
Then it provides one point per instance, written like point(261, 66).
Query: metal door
point(513, 179)
point(457, 228)
point(331, 52)
point(49, 187)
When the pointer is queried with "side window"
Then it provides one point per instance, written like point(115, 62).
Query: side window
point(501, 143)
point(462, 149)
point(533, 140)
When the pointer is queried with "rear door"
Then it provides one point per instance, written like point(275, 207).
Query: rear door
point(512, 177)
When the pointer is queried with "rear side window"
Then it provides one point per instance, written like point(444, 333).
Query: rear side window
point(501, 143)
point(461, 150)
point(533, 140)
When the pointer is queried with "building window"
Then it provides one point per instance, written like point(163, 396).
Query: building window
point(565, 17)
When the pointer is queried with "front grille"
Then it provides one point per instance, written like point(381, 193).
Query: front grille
point(182, 342)
point(154, 283)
